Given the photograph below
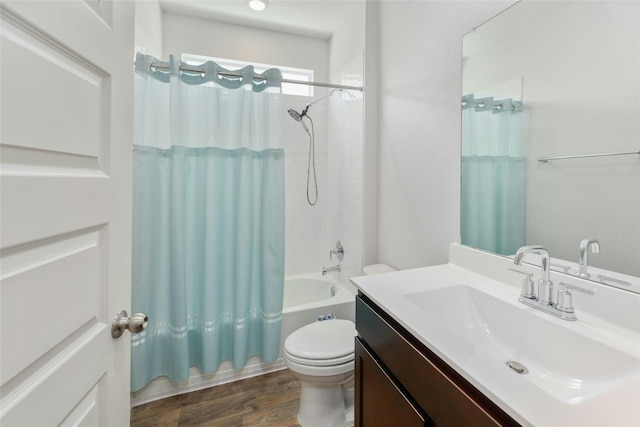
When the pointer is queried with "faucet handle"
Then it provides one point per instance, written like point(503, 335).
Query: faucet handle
point(561, 267)
point(520, 271)
point(338, 251)
point(528, 288)
point(577, 288)
point(564, 301)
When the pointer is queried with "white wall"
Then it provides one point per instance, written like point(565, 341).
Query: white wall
point(148, 28)
point(184, 34)
point(347, 42)
point(419, 71)
point(581, 87)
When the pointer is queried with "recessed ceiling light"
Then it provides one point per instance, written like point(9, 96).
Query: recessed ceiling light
point(258, 4)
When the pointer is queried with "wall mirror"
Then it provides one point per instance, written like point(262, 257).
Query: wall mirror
point(551, 135)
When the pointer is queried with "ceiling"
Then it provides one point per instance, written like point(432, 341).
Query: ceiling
point(311, 18)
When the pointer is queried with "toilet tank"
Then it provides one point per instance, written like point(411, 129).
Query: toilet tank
point(377, 269)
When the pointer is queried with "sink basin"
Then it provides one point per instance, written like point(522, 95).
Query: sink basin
point(562, 362)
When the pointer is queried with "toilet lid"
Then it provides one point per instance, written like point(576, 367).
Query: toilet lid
point(328, 339)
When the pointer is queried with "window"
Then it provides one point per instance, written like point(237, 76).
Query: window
point(288, 73)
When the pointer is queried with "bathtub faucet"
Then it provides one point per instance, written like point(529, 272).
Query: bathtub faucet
point(326, 270)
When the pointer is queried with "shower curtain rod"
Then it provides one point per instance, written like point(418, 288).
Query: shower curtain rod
point(232, 74)
point(583, 156)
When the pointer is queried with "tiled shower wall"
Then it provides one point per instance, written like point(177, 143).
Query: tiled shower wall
point(311, 231)
point(345, 170)
point(306, 226)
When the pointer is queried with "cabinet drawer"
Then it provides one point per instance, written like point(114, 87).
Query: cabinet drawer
point(446, 397)
point(379, 401)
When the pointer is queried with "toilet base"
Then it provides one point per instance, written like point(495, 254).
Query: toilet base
point(324, 405)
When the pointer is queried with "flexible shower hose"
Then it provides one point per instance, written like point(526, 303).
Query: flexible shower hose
point(311, 164)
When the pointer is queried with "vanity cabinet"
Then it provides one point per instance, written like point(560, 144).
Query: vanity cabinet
point(400, 382)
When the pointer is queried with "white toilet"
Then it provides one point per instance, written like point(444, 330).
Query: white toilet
point(377, 269)
point(321, 356)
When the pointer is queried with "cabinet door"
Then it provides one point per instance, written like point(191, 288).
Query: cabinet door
point(379, 402)
point(435, 387)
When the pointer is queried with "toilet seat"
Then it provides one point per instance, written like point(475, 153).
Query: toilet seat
point(320, 371)
point(319, 362)
point(325, 343)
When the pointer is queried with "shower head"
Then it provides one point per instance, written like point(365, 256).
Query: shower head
point(298, 117)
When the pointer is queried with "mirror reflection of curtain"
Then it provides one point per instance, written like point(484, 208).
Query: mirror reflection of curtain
point(493, 175)
point(208, 220)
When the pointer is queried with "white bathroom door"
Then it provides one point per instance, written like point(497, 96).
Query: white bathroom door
point(66, 118)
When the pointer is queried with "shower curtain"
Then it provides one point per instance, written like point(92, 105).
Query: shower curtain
point(208, 220)
point(493, 175)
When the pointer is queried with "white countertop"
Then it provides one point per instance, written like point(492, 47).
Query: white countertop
point(515, 394)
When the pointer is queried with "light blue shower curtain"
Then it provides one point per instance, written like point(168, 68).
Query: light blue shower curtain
point(208, 220)
point(493, 175)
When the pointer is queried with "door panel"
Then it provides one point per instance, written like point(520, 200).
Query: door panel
point(65, 211)
point(38, 275)
point(77, 94)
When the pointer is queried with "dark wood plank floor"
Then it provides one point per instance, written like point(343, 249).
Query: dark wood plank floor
point(267, 400)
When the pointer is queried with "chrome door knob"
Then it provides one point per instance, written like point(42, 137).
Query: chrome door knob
point(135, 324)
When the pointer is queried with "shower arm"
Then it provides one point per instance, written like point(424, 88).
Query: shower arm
point(304, 112)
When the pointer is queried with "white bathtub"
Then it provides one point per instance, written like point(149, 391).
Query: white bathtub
point(309, 296)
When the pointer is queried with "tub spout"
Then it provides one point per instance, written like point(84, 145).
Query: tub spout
point(326, 270)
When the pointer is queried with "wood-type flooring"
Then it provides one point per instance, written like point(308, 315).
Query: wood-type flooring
point(266, 400)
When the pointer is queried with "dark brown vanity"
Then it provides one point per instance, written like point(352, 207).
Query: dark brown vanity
point(400, 382)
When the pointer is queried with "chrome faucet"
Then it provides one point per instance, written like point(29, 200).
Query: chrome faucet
point(545, 287)
point(584, 251)
point(326, 270)
point(561, 305)
point(338, 251)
